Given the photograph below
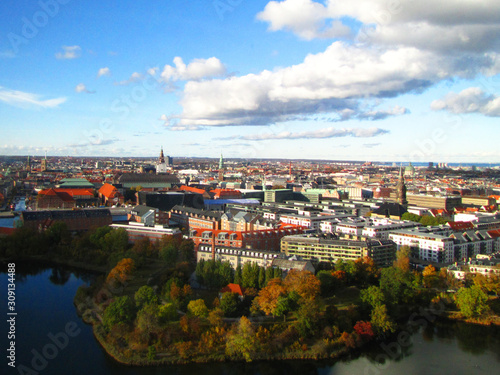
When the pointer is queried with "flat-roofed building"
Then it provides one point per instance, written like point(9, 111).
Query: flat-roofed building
point(330, 250)
point(431, 201)
point(136, 231)
point(236, 256)
point(76, 220)
point(425, 246)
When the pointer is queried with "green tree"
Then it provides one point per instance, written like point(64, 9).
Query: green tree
point(145, 295)
point(121, 310)
point(328, 283)
point(411, 217)
point(198, 308)
point(250, 276)
point(307, 317)
point(380, 320)
point(229, 303)
point(372, 297)
point(167, 313)
point(397, 285)
point(186, 251)
point(148, 320)
point(262, 277)
point(169, 253)
point(115, 241)
point(403, 258)
point(472, 301)
point(241, 340)
point(237, 275)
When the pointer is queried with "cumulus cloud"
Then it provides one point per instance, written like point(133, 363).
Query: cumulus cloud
point(315, 134)
point(25, 99)
point(470, 100)
point(104, 72)
point(329, 82)
point(82, 88)
point(305, 18)
point(69, 52)
point(196, 70)
point(401, 47)
point(407, 22)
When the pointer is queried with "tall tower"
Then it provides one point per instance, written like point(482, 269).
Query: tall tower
point(161, 167)
point(401, 189)
point(43, 166)
point(162, 157)
point(221, 168)
point(28, 164)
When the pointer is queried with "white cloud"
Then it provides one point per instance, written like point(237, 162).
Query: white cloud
point(196, 70)
point(25, 99)
point(82, 88)
point(420, 23)
point(70, 52)
point(152, 71)
point(316, 134)
point(135, 77)
point(305, 18)
point(470, 100)
point(329, 82)
point(104, 72)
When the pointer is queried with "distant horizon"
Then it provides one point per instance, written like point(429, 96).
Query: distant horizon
point(360, 162)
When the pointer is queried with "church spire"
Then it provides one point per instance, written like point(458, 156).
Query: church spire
point(401, 189)
point(162, 157)
point(221, 168)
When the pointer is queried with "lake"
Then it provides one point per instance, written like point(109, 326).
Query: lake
point(52, 339)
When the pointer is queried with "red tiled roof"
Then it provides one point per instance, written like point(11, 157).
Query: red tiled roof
point(494, 233)
point(51, 192)
point(108, 190)
point(233, 288)
point(192, 189)
point(78, 192)
point(460, 225)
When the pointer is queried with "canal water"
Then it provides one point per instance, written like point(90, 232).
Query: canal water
point(51, 339)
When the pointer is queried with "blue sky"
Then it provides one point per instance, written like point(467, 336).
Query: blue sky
point(341, 79)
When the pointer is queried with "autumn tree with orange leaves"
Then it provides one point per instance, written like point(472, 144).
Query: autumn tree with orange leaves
point(121, 272)
point(267, 299)
point(304, 283)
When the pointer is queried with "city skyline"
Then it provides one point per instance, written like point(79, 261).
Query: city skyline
point(295, 79)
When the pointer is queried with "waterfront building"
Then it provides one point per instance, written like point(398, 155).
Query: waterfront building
point(137, 231)
point(330, 249)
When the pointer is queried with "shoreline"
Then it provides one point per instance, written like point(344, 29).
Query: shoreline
point(137, 361)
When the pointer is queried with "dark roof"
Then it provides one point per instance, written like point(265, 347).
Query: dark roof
point(390, 209)
point(141, 210)
point(195, 211)
point(148, 177)
point(64, 214)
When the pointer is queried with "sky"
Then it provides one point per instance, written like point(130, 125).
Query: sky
point(366, 80)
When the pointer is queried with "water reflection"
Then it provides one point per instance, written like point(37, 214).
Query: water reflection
point(59, 276)
point(441, 347)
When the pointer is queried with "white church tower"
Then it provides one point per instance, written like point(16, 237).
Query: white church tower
point(161, 166)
